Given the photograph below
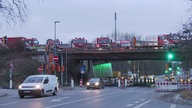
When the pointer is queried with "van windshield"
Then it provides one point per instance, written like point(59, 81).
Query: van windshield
point(34, 80)
point(94, 80)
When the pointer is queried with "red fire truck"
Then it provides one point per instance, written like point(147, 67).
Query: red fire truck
point(103, 42)
point(20, 43)
point(52, 43)
point(79, 43)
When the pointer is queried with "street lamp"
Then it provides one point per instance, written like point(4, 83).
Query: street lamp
point(55, 22)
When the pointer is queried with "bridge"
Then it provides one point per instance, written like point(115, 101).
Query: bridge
point(76, 58)
point(116, 54)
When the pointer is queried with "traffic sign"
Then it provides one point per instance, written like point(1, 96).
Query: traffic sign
point(82, 69)
point(40, 69)
point(55, 58)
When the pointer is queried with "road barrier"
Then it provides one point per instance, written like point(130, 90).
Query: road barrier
point(173, 85)
point(185, 85)
point(166, 86)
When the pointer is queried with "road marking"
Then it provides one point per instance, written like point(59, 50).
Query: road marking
point(173, 106)
point(68, 94)
point(133, 88)
point(143, 103)
point(142, 99)
point(59, 99)
point(136, 102)
point(135, 91)
point(5, 104)
point(79, 100)
point(129, 105)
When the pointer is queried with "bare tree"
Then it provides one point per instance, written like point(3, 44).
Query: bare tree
point(13, 10)
point(123, 36)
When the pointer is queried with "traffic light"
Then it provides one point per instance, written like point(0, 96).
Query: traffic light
point(166, 71)
point(166, 66)
point(5, 39)
point(170, 56)
point(170, 66)
point(178, 70)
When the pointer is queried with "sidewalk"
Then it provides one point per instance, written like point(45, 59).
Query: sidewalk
point(3, 92)
point(172, 97)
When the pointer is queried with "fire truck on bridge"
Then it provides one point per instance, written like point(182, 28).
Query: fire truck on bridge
point(19, 43)
point(79, 43)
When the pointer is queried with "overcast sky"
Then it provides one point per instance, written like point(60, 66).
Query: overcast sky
point(93, 18)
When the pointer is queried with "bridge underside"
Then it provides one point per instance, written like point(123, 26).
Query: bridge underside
point(149, 55)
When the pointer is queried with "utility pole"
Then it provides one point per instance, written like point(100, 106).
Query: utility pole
point(66, 65)
point(61, 65)
point(115, 28)
point(11, 75)
point(45, 64)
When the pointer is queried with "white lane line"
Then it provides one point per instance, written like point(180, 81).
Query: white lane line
point(5, 104)
point(68, 94)
point(136, 102)
point(133, 88)
point(59, 99)
point(79, 100)
point(142, 99)
point(129, 105)
point(143, 103)
point(173, 106)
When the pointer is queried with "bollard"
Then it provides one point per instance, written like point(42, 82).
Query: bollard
point(81, 82)
point(125, 82)
point(119, 83)
point(122, 83)
point(72, 83)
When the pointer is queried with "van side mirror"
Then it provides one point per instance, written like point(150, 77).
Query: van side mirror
point(45, 81)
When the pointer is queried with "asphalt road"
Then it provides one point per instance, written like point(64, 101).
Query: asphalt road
point(110, 97)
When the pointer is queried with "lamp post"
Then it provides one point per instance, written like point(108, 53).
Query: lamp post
point(66, 66)
point(55, 22)
point(115, 28)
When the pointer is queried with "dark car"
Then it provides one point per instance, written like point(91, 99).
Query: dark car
point(95, 83)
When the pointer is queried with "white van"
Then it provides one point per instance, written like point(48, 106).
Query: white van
point(38, 85)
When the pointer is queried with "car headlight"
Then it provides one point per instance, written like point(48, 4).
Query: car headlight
point(88, 83)
point(97, 83)
point(20, 87)
point(37, 86)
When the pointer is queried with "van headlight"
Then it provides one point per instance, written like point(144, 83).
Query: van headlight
point(37, 86)
point(97, 83)
point(88, 83)
point(20, 87)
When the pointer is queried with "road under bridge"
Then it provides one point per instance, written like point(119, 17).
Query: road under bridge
point(76, 57)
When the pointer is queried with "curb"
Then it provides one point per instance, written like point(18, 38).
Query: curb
point(3, 94)
point(181, 100)
point(172, 97)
